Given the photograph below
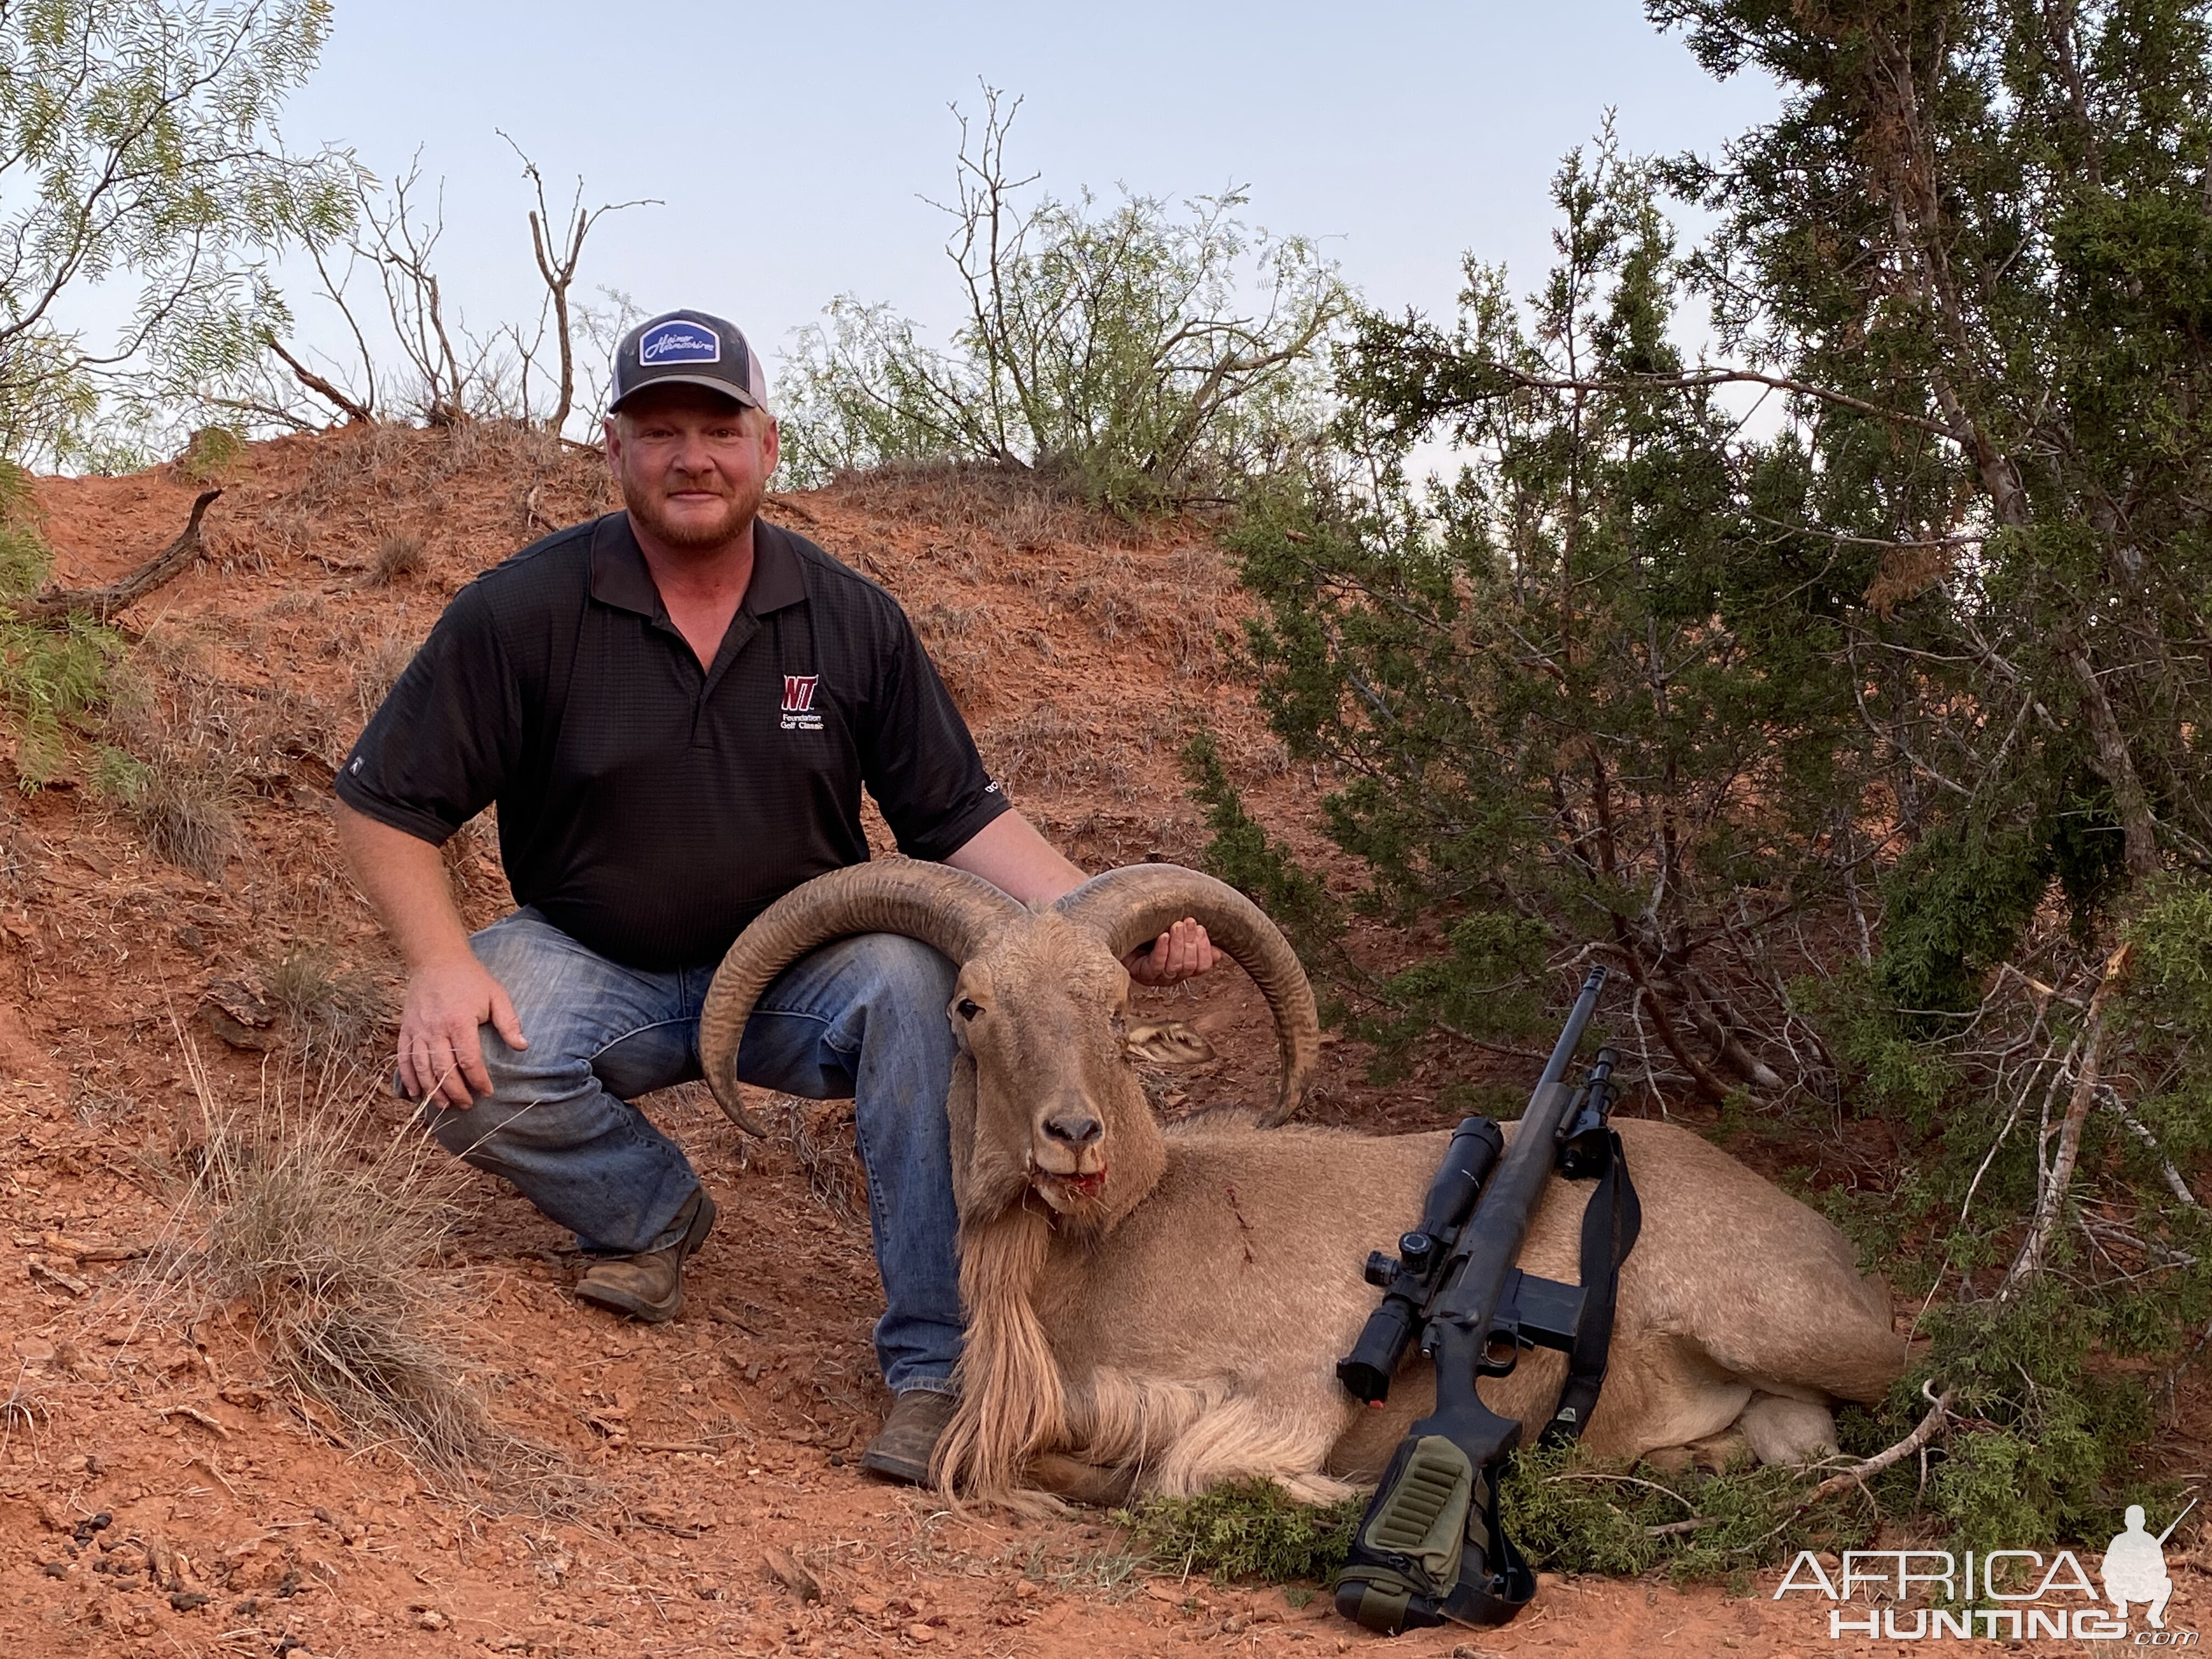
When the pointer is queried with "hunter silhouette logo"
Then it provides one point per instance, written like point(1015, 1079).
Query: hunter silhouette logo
point(799, 714)
point(2134, 1567)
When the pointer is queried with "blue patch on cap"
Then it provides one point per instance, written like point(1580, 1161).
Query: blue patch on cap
point(679, 342)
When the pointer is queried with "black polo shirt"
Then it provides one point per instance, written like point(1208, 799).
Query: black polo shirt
point(651, 809)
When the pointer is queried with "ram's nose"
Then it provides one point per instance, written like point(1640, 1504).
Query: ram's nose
point(1074, 1129)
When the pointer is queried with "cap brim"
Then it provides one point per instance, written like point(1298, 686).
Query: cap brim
point(744, 399)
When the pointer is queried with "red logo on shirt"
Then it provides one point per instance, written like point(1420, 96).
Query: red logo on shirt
point(798, 692)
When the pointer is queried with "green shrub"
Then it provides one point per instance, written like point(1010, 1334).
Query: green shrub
point(1568, 1512)
point(1140, 356)
point(48, 677)
point(1244, 1530)
point(211, 453)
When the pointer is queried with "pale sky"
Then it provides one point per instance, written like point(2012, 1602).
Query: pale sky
point(791, 144)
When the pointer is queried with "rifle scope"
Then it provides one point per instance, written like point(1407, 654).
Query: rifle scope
point(1407, 1278)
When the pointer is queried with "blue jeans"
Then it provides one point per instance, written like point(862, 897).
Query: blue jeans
point(863, 1020)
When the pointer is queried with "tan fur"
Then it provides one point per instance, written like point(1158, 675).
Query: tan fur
point(1174, 1318)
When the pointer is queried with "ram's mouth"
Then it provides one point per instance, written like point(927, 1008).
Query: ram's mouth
point(1069, 1192)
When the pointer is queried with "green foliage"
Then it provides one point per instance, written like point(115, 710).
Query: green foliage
point(117, 776)
point(2171, 978)
point(2054, 1435)
point(48, 677)
point(1572, 1513)
point(211, 453)
point(1857, 733)
point(1113, 349)
point(137, 150)
point(25, 559)
point(1954, 907)
point(1567, 1511)
point(1980, 230)
point(1244, 1530)
point(1242, 854)
point(1577, 698)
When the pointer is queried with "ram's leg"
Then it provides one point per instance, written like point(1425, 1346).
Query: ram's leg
point(1086, 1483)
point(1785, 1430)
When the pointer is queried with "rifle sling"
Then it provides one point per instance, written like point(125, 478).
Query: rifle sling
point(1610, 1221)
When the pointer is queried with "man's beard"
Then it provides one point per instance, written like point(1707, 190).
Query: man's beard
point(692, 536)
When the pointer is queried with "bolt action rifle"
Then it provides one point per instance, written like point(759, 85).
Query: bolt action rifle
point(1431, 1546)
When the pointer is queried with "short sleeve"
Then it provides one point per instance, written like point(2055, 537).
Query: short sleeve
point(447, 739)
point(918, 759)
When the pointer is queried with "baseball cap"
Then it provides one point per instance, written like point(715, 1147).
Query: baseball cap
point(688, 347)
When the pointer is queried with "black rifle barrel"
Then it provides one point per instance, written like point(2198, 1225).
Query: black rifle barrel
point(1491, 1241)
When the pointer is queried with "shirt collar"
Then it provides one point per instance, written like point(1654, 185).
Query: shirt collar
point(621, 578)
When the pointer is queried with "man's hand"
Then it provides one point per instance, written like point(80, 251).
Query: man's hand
point(440, 1057)
point(1010, 855)
point(1181, 953)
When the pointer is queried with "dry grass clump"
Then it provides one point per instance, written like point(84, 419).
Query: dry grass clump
point(397, 555)
point(374, 677)
point(180, 802)
point(321, 1002)
point(322, 1222)
point(818, 1134)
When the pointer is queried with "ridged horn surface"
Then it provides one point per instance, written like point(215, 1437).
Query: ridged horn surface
point(945, 908)
point(1127, 907)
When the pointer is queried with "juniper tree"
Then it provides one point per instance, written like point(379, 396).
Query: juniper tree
point(1982, 229)
point(1583, 704)
point(1937, 619)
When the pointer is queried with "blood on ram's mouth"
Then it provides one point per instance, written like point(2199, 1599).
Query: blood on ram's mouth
point(1081, 1186)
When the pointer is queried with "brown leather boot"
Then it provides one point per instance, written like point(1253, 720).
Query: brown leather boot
point(902, 1447)
point(649, 1285)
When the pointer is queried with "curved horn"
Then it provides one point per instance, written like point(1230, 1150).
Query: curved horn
point(940, 906)
point(1127, 907)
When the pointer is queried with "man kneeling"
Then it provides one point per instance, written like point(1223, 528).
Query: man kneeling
point(675, 709)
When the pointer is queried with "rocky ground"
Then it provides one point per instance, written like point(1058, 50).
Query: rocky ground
point(196, 954)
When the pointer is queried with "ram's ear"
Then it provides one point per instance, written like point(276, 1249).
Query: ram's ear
point(1165, 1042)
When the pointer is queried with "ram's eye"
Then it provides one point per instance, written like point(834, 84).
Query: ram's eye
point(966, 1008)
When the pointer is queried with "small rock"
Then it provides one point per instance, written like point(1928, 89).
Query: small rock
point(57, 1569)
point(795, 1578)
point(55, 1279)
point(919, 1633)
point(1025, 1588)
point(185, 1600)
point(869, 1606)
point(430, 1619)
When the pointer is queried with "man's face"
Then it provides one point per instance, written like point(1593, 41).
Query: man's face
point(692, 464)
